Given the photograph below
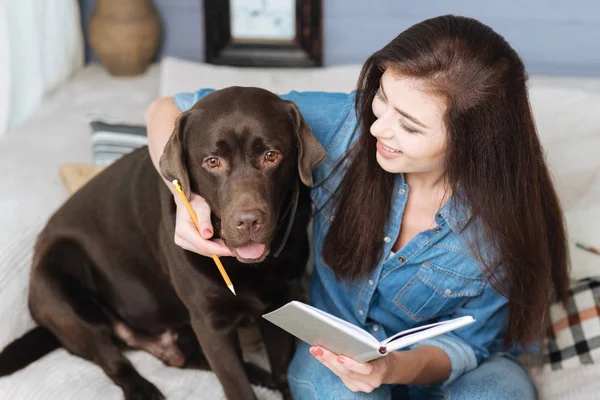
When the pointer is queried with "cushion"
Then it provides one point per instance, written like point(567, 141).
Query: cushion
point(582, 227)
point(183, 76)
point(110, 141)
point(76, 175)
point(574, 334)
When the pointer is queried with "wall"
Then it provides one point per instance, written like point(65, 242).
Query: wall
point(553, 36)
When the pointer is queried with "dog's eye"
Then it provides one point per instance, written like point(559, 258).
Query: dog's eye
point(213, 162)
point(271, 156)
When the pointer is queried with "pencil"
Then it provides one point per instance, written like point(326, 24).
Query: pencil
point(194, 217)
point(588, 248)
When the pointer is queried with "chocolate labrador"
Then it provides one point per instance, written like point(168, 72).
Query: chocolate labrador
point(107, 275)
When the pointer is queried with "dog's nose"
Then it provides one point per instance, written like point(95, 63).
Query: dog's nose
point(251, 220)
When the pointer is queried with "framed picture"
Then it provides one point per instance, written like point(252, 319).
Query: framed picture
point(263, 33)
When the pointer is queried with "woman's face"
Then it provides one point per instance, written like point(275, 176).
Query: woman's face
point(411, 137)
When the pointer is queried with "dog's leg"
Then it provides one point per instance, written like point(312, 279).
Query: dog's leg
point(163, 346)
point(222, 353)
point(99, 349)
point(280, 350)
point(93, 343)
point(59, 302)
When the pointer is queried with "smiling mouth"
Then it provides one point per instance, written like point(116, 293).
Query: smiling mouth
point(390, 149)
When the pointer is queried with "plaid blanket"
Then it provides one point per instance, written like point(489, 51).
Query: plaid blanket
point(574, 335)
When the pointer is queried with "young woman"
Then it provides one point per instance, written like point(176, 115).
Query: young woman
point(435, 202)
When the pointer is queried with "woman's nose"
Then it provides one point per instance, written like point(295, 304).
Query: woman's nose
point(381, 129)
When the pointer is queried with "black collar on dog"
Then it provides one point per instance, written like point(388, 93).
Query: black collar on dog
point(291, 211)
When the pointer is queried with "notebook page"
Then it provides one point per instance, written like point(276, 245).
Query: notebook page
point(397, 342)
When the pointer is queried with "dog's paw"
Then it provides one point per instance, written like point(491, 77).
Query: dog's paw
point(141, 389)
point(258, 376)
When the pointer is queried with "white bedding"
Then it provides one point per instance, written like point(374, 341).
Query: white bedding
point(31, 190)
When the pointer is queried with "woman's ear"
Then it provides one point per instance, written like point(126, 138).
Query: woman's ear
point(310, 151)
point(172, 162)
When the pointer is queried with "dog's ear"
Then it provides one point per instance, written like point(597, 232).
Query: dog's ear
point(173, 160)
point(310, 151)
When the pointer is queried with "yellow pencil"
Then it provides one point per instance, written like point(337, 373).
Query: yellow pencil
point(194, 217)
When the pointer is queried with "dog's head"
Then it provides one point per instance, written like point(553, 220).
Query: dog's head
point(243, 150)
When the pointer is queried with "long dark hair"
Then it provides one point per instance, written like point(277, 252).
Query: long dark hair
point(494, 157)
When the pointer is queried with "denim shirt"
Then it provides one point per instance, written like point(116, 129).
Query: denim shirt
point(432, 278)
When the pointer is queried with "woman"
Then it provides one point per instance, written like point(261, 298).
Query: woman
point(435, 202)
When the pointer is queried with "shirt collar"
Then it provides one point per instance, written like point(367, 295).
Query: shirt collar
point(455, 214)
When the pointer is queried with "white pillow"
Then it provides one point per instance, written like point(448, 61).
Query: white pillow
point(567, 114)
point(184, 76)
point(46, 47)
point(4, 70)
point(582, 225)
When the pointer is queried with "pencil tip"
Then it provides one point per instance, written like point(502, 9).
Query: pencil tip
point(232, 289)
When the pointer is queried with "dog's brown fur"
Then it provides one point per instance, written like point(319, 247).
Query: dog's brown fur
point(107, 273)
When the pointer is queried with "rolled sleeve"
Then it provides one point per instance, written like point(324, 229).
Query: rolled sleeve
point(469, 346)
point(462, 356)
point(184, 101)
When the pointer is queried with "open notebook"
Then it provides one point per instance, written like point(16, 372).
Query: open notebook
point(319, 328)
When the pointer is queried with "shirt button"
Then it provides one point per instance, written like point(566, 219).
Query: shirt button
point(439, 215)
point(401, 258)
point(375, 328)
point(331, 218)
point(387, 239)
point(361, 312)
point(438, 229)
point(371, 282)
point(448, 292)
point(402, 191)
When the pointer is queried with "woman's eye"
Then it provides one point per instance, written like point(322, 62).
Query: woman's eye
point(408, 129)
point(271, 156)
point(213, 162)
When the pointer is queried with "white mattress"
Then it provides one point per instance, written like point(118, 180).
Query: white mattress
point(31, 190)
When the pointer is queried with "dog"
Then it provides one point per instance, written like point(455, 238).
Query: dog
point(107, 275)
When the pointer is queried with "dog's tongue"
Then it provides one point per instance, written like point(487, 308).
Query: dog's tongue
point(251, 250)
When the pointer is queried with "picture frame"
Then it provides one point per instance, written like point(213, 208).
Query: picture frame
point(263, 33)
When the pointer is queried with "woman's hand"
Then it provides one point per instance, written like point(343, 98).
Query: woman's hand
point(186, 235)
point(423, 365)
point(360, 377)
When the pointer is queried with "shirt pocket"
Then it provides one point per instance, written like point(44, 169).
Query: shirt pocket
point(435, 291)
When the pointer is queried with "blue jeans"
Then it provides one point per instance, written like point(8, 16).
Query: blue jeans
point(500, 377)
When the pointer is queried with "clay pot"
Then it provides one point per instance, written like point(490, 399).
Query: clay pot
point(125, 35)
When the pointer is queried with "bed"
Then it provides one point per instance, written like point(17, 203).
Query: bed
point(567, 112)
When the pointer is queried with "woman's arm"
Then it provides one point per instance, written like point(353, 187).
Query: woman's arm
point(160, 118)
point(427, 365)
